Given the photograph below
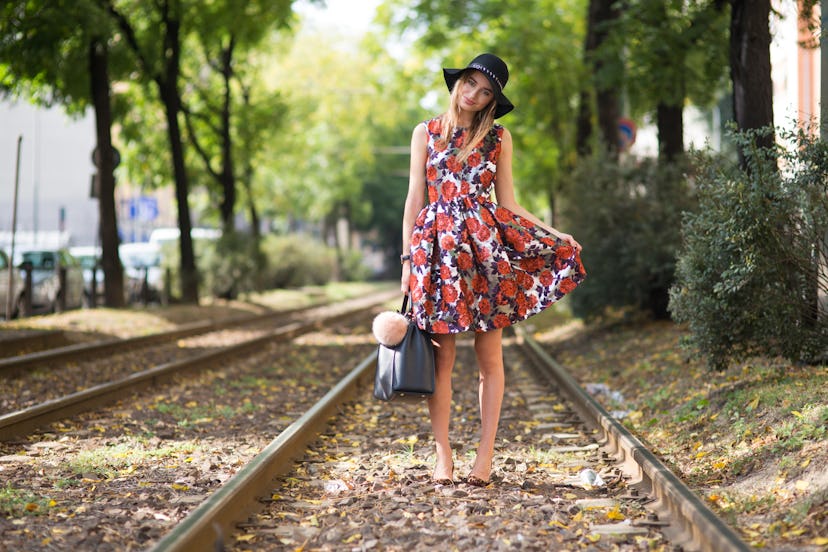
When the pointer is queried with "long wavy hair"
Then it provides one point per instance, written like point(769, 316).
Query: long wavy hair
point(481, 124)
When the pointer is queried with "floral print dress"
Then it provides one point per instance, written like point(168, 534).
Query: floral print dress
point(476, 265)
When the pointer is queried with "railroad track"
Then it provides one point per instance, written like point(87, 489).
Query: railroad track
point(329, 499)
point(20, 364)
point(30, 340)
point(14, 425)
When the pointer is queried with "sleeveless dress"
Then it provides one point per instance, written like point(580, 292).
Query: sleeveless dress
point(476, 265)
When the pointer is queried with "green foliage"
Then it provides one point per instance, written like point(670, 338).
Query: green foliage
point(673, 50)
point(353, 268)
point(297, 260)
point(541, 40)
point(748, 277)
point(18, 502)
point(44, 50)
point(233, 264)
point(627, 216)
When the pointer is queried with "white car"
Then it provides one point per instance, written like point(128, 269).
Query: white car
point(46, 289)
point(142, 264)
point(89, 257)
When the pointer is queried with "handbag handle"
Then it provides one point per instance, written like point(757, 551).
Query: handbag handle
point(405, 304)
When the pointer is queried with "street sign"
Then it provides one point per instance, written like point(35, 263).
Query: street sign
point(116, 157)
point(142, 208)
point(626, 133)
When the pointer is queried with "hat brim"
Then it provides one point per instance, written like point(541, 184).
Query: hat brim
point(504, 106)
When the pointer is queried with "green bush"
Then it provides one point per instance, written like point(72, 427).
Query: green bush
point(297, 260)
point(236, 264)
point(354, 268)
point(748, 276)
point(231, 265)
point(628, 218)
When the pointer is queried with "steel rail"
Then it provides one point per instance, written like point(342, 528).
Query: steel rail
point(16, 365)
point(16, 424)
point(39, 339)
point(694, 526)
point(213, 522)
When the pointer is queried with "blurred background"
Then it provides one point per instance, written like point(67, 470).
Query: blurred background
point(264, 144)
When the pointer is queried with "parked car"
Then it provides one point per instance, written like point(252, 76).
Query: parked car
point(17, 288)
point(143, 275)
point(46, 290)
point(89, 257)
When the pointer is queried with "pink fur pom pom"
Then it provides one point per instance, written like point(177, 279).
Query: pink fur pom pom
point(389, 328)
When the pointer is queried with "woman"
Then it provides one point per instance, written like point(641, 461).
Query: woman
point(470, 263)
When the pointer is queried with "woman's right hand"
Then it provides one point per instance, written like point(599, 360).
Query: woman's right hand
point(406, 277)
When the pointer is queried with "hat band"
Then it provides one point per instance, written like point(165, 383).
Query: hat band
point(488, 73)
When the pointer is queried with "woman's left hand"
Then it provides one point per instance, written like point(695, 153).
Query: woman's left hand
point(570, 240)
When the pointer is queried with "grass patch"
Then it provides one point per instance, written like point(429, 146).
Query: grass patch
point(121, 459)
point(193, 413)
point(18, 502)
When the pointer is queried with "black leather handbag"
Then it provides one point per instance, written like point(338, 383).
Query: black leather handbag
point(406, 370)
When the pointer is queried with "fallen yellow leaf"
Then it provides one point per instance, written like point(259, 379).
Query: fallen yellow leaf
point(616, 514)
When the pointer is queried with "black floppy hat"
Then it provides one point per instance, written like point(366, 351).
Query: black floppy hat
point(495, 70)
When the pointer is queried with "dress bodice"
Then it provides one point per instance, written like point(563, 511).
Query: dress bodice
point(449, 179)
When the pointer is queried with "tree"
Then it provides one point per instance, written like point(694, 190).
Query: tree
point(325, 151)
point(675, 51)
point(225, 39)
point(605, 65)
point(105, 154)
point(42, 45)
point(153, 33)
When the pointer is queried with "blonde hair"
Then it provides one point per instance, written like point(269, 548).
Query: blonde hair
point(481, 123)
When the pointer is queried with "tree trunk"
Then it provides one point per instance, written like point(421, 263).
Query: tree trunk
point(189, 275)
point(750, 66)
point(247, 182)
point(108, 224)
point(600, 15)
point(606, 12)
point(168, 91)
point(167, 82)
point(670, 122)
point(228, 177)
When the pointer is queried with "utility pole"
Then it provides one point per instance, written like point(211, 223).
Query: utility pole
point(10, 295)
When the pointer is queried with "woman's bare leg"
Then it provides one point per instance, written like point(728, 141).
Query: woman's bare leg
point(489, 350)
point(439, 404)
